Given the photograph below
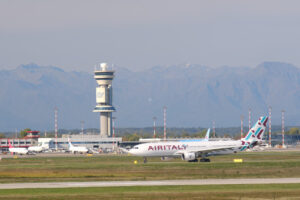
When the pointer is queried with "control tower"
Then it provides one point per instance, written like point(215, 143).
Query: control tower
point(104, 78)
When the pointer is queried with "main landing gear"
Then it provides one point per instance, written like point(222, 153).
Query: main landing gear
point(204, 160)
point(196, 160)
point(145, 160)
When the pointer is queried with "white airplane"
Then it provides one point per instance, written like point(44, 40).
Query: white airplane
point(37, 149)
point(190, 151)
point(77, 149)
point(17, 150)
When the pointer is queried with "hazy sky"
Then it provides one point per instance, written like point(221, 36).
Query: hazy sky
point(138, 34)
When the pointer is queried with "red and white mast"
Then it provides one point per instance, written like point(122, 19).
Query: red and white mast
point(270, 126)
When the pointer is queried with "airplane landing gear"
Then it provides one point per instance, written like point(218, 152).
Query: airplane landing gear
point(204, 160)
point(196, 160)
point(145, 160)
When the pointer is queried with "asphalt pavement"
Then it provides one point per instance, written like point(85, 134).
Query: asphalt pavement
point(150, 183)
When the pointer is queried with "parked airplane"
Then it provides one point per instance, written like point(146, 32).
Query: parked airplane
point(77, 149)
point(190, 151)
point(37, 149)
point(17, 150)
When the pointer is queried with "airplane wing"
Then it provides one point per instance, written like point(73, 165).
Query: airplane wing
point(202, 150)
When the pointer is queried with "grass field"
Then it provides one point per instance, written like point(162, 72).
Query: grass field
point(224, 192)
point(102, 168)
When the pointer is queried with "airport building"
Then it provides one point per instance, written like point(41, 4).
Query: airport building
point(16, 142)
point(104, 106)
point(95, 142)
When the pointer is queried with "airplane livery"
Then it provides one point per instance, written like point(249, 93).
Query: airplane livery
point(191, 150)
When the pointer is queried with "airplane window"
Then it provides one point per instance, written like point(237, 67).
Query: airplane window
point(136, 147)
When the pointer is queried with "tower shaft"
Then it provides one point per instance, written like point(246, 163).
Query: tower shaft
point(104, 106)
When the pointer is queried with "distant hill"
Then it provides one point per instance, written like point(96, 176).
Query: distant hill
point(194, 95)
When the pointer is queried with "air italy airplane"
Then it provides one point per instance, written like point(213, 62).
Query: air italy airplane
point(17, 150)
point(190, 151)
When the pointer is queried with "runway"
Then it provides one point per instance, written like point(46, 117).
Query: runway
point(149, 183)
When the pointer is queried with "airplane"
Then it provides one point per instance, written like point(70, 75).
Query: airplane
point(191, 151)
point(37, 149)
point(17, 150)
point(77, 149)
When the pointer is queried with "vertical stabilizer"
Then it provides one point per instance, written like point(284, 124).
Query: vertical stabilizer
point(255, 134)
point(70, 144)
point(9, 144)
point(207, 135)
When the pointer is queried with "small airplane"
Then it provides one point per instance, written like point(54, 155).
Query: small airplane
point(191, 151)
point(17, 150)
point(77, 149)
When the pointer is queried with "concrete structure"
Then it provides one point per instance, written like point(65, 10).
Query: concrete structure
point(16, 142)
point(89, 141)
point(32, 135)
point(104, 78)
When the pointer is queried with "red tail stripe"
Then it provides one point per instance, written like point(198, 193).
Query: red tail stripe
point(260, 132)
point(265, 123)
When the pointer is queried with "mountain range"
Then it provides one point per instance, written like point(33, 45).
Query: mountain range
point(194, 95)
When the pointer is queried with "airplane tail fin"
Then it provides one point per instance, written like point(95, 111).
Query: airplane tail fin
point(9, 144)
point(207, 135)
point(70, 144)
point(255, 134)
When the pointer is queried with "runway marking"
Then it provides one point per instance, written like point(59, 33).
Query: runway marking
point(150, 183)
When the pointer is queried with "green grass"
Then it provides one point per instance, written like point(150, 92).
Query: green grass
point(104, 168)
point(269, 191)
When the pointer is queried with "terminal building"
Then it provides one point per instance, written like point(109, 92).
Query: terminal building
point(95, 142)
point(31, 139)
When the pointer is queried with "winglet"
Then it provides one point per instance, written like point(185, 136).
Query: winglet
point(207, 135)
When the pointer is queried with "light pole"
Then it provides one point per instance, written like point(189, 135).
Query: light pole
point(154, 127)
point(82, 127)
point(113, 126)
point(165, 123)
point(242, 126)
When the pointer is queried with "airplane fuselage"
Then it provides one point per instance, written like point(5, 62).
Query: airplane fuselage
point(75, 149)
point(174, 149)
point(18, 150)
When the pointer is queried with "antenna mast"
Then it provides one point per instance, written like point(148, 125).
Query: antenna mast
point(165, 123)
point(282, 127)
point(270, 126)
point(242, 126)
point(56, 129)
point(154, 127)
point(249, 118)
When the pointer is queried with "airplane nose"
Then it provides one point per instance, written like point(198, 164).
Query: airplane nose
point(125, 150)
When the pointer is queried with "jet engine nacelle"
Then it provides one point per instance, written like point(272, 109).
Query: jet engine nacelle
point(188, 156)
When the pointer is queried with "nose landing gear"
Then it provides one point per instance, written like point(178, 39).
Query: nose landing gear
point(145, 160)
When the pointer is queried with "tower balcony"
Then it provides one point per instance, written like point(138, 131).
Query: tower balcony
point(104, 108)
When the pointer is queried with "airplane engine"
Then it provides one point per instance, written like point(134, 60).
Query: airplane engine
point(188, 156)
